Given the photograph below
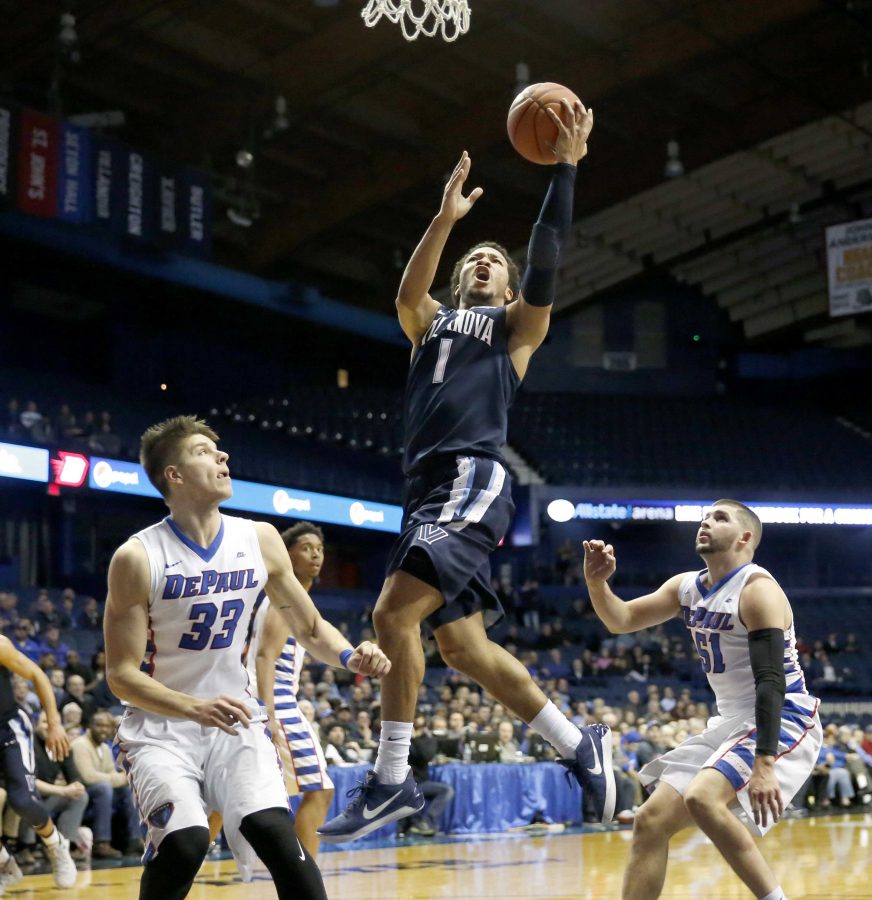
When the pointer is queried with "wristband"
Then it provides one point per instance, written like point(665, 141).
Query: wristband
point(344, 656)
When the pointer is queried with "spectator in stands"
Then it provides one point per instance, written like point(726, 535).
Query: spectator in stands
point(88, 424)
point(832, 761)
point(63, 794)
point(668, 701)
point(650, 746)
point(75, 666)
point(65, 423)
point(25, 696)
point(848, 741)
point(24, 640)
point(338, 751)
point(44, 612)
point(66, 611)
point(71, 719)
point(437, 795)
point(93, 757)
point(57, 679)
point(104, 440)
point(76, 694)
point(510, 749)
point(13, 418)
point(8, 608)
point(90, 617)
point(829, 676)
point(29, 416)
point(51, 643)
point(851, 645)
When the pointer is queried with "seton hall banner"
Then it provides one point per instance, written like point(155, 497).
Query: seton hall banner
point(53, 169)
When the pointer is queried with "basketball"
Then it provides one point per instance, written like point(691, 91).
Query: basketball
point(530, 128)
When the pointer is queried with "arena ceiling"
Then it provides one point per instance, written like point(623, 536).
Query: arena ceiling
point(340, 194)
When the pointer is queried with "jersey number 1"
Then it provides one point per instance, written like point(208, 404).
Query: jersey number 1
point(442, 361)
point(203, 616)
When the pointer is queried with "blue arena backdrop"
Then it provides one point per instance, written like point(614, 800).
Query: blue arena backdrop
point(124, 477)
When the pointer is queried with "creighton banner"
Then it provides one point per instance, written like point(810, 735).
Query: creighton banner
point(849, 261)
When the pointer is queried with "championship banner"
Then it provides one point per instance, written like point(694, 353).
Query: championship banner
point(194, 210)
point(38, 164)
point(107, 162)
point(137, 197)
point(75, 185)
point(168, 206)
point(8, 154)
point(849, 263)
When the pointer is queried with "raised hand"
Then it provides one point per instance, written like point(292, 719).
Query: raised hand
point(599, 561)
point(574, 125)
point(454, 205)
point(368, 659)
point(222, 712)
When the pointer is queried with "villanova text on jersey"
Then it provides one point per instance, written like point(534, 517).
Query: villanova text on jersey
point(461, 384)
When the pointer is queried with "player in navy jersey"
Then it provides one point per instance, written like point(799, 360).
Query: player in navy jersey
point(761, 747)
point(467, 362)
point(194, 738)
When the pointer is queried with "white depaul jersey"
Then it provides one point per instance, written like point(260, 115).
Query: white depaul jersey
point(712, 615)
point(289, 665)
point(200, 606)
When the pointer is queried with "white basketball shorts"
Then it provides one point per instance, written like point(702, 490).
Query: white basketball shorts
point(180, 771)
point(729, 744)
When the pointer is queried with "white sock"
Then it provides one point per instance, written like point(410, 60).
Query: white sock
point(777, 894)
point(52, 839)
point(557, 730)
point(4, 855)
point(392, 761)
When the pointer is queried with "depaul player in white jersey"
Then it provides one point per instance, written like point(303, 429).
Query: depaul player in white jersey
point(277, 658)
point(194, 737)
point(761, 747)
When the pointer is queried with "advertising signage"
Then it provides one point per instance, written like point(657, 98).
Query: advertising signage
point(124, 477)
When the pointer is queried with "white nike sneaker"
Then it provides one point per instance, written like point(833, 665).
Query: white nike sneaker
point(62, 866)
point(10, 873)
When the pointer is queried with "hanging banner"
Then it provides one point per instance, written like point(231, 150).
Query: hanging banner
point(849, 263)
point(107, 162)
point(137, 196)
point(167, 206)
point(8, 154)
point(38, 164)
point(76, 180)
point(194, 210)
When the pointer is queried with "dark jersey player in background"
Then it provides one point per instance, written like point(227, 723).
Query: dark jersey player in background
point(467, 363)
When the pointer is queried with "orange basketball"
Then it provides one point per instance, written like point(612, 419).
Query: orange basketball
point(530, 128)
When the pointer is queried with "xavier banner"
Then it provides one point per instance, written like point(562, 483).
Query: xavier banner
point(849, 262)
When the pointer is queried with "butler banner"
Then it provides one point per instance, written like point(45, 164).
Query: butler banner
point(849, 262)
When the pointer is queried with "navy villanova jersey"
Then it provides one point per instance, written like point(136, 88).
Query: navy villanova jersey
point(460, 387)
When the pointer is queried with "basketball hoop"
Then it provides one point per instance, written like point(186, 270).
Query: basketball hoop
point(451, 17)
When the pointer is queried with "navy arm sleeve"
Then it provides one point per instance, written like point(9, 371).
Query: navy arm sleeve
point(766, 647)
point(546, 241)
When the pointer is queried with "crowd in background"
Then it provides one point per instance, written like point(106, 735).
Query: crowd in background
point(88, 431)
point(633, 683)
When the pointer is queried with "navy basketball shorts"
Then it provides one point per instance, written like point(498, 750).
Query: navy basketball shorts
point(454, 515)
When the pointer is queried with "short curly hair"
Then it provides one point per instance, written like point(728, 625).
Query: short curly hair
point(511, 266)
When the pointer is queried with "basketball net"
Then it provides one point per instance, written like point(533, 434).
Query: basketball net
point(451, 17)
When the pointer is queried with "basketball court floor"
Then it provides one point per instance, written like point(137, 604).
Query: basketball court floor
point(820, 858)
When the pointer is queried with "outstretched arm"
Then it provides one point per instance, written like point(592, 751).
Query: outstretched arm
point(56, 739)
point(302, 619)
point(415, 307)
point(528, 318)
point(618, 616)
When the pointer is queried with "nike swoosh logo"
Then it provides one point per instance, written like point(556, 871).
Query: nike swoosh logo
point(302, 852)
point(170, 565)
point(597, 769)
point(372, 813)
